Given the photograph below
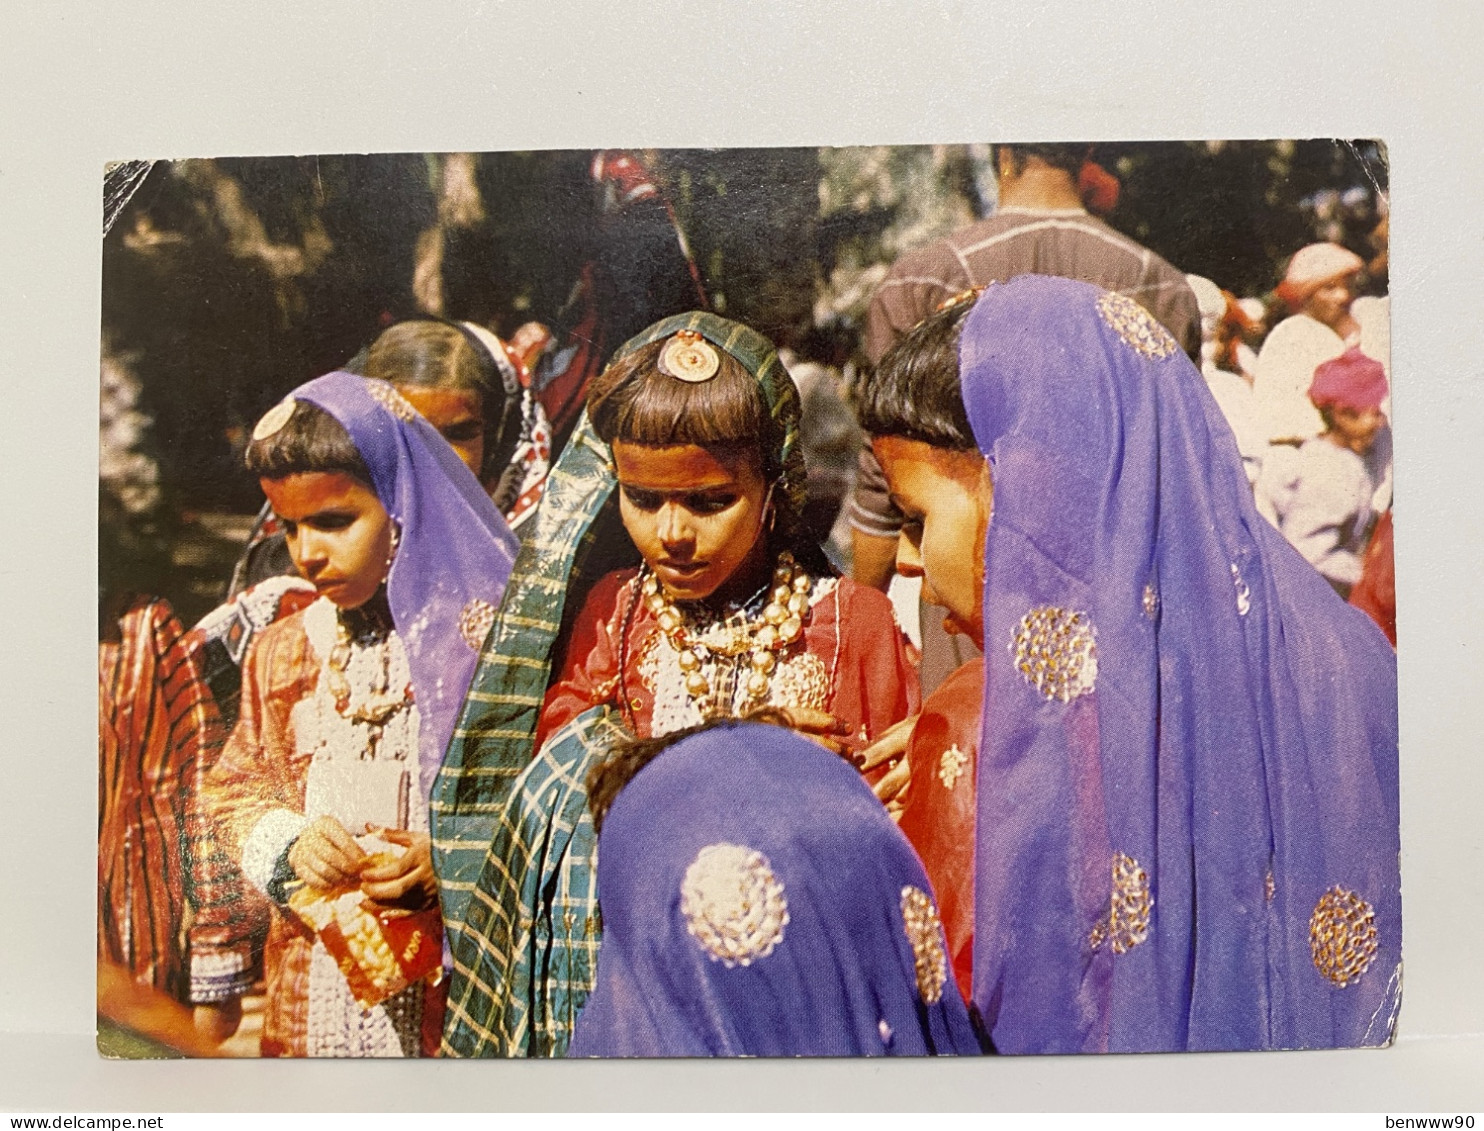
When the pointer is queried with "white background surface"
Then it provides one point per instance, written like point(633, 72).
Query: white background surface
point(82, 84)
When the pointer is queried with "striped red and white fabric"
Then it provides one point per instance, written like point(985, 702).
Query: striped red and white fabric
point(155, 721)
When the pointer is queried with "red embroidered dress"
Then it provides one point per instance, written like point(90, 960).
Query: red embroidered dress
point(939, 812)
point(257, 794)
point(850, 661)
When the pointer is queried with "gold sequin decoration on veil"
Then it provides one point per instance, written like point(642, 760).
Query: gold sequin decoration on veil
point(1055, 651)
point(1135, 326)
point(1127, 923)
point(925, 934)
point(1342, 935)
point(733, 904)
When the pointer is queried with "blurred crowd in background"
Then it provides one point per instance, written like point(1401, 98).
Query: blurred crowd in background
point(227, 282)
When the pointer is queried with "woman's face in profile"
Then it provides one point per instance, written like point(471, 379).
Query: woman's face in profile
point(1331, 302)
point(695, 514)
point(457, 414)
point(945, 496)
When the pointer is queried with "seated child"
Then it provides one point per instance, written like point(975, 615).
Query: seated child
point(1322, 496)
point(730, 611)
point(347, 705)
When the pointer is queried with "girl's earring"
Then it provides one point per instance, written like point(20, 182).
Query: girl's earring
point(391, 554)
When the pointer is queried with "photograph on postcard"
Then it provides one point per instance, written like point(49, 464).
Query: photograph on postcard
point(951, 584)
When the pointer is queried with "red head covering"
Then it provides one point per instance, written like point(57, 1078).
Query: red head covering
point(1351, 380)
point(1313, 266)
point(1098, 188)
point(1234, 316)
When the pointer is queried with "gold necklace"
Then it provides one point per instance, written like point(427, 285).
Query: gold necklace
point(780, 623)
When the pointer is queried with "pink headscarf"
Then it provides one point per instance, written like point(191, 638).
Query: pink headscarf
point(1351, 380)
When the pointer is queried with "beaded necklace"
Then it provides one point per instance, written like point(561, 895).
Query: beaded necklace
point(758, 636)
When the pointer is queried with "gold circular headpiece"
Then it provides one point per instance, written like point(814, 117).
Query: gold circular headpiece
point(274, 419)
point(689, 357)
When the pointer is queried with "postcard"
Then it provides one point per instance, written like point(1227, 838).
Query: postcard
point(812, 601)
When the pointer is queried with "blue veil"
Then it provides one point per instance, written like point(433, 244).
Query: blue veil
point(1187, 834)
point(758, 901)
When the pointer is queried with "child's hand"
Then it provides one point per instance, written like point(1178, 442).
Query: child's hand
point(407, 881)
point(888, 748)
point(326, 856)
point(892, 789)
point(831, 733)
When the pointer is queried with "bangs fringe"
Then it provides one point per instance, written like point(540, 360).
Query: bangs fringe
point(311, 440)
point(634, 402)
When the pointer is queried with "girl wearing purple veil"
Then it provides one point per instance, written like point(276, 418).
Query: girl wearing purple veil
point(348, 705)
point(1187, 810)
point(758, 901)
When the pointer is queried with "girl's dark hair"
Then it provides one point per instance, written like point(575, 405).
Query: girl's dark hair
point(606, 780)
point(915, 391)
point(633, 401)
point(310, 440)
point(432, 354)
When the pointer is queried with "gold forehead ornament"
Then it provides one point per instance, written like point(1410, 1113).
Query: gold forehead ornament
point(689, 357)
point(274, 419)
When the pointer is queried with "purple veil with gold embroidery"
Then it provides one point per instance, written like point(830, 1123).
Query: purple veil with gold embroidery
point(1187, 833)
point(758, 901)
point(455, 552)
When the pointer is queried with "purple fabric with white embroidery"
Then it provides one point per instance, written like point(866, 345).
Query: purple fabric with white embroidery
point(1240, 743)
point(455, 546)
point(839, 979)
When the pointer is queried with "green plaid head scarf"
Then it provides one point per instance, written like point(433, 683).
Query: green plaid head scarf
point(783, 457)
point(488, 819)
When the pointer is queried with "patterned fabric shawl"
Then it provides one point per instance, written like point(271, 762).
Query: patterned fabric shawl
point(485, 814)
point(1187, 834)
point(759, 901)
point(534, 910)
point(155, 725)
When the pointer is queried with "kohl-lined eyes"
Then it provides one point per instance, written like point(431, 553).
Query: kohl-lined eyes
point(697, 502)
point(328, 520)
point(465, 433)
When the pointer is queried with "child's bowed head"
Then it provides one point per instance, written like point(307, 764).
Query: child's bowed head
point(338, 532)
